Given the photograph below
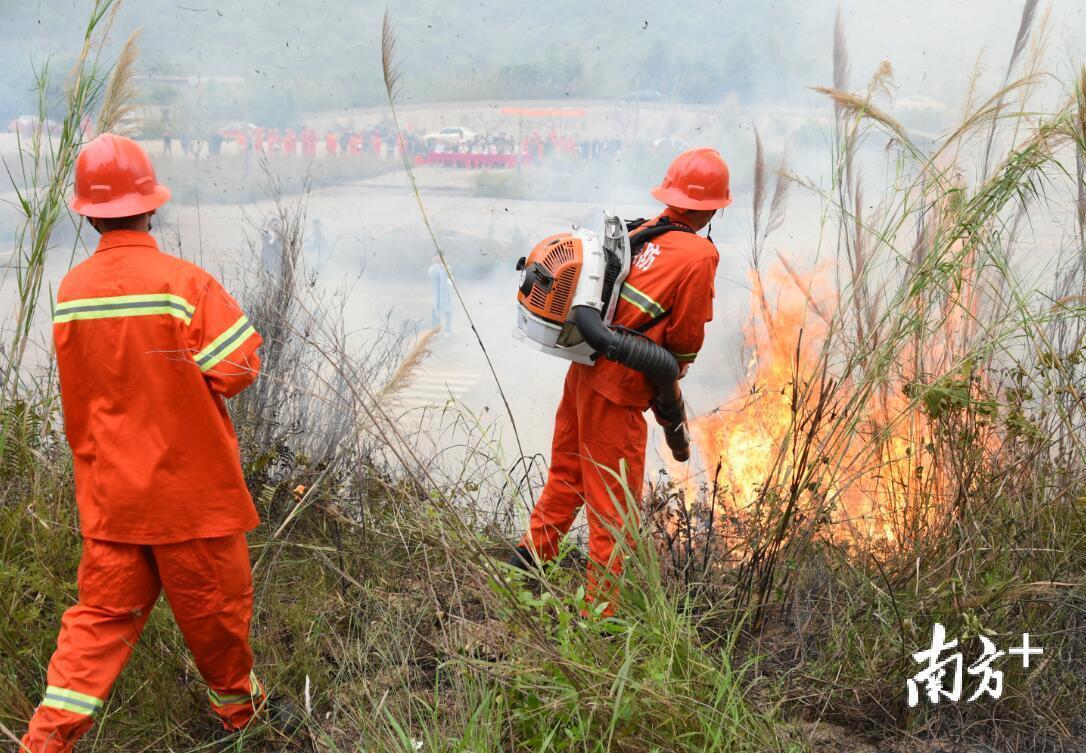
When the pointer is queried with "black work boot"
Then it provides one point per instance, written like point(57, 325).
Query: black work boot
point(276, 717)
point(284, 716)
point(523, 559)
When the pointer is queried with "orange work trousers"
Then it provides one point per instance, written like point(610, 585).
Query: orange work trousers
point(208, 583)
point(594, 439)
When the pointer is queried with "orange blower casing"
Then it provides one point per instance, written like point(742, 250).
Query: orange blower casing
point(562, 255)
point(566, 271)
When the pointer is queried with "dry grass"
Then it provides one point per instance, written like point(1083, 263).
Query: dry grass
point(404, 375)
point(945, 388)
point(120, 95)
point(853, 104)
point(378, 586)
point(390, 68)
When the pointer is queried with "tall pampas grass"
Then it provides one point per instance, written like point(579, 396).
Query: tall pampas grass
point(406, 372)
point(393, 77)
point(119, 98)
point(390, 67)
point(856, 105)
point(765, 220)
point(1077, 132)
point(42, 178)
point(1029, 10)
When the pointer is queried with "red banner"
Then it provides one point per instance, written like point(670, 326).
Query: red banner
point(543, 112)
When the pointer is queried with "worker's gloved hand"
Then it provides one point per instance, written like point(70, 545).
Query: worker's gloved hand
point(673, 419)
point(666, 418)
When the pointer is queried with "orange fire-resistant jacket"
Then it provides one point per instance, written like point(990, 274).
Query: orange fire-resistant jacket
point(673, 274)
point(148, 346)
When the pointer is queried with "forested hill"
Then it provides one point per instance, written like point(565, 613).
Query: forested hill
point(323, 54)
point(299, 55)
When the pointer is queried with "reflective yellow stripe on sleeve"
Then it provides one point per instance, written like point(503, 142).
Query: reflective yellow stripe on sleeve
point(224, 344)
point(123, 305)
point(71, 700)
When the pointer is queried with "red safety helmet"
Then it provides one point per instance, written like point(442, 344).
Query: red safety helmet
point(114, 178)
point(696, 179)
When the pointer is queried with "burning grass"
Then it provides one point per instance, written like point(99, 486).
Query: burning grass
point(907, 448)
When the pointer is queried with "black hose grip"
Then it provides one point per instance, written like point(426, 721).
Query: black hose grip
point(656, 363)
point(642, 354)
point(670, 411)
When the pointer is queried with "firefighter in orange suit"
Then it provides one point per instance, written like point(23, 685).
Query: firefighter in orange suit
point(149, 347)
point(600, 423)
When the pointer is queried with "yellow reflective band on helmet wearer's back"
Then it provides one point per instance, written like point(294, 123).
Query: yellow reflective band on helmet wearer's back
point(71, 700)
point(630, 294)
point(224, 344)
point(112, 307)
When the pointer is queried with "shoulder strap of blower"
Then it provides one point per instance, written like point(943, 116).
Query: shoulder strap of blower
point(638, 243)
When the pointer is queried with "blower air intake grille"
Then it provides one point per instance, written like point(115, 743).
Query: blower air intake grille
point(560, 253)
point(559, 259)
point(538, 299)
point(562, 292)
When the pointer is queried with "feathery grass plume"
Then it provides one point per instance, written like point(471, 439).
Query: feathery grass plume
point(758, 201)
point(780, 196)
point(1020, 39)
point(1039, 40)
point(757, 232)
point(118, 100)
point(404, 375)
point(1029, 9)
point(970, 98)
point(840, 53)
point(882, 81)
point(853, 104)
point(392, 75)
point(390, 68)
point(761, 229)
point(841, 74)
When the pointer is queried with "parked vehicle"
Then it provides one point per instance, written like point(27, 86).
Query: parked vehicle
point(451, 135)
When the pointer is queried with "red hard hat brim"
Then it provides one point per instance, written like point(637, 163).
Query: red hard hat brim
point(125, 206)
point(675, 198)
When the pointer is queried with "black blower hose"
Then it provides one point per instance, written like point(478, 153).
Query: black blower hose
point(643, 355)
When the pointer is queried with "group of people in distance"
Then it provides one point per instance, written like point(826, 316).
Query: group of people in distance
point(381, 142)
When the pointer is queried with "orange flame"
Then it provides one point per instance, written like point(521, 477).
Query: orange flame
point(874, 478)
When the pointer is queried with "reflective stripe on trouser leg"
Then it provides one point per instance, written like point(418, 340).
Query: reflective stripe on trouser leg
point(62, 718)
point(117, 590)
point(67, 699)
point(254, 696)
point(209, 585)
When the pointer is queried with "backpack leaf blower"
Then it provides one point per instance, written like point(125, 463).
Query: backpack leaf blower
point(569, 288)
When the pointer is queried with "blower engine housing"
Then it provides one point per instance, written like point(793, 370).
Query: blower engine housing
point(569, 287)
point(581, 268)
